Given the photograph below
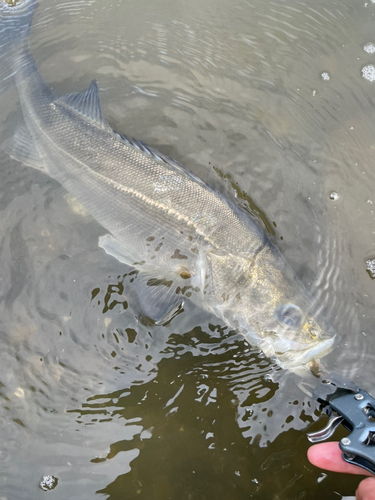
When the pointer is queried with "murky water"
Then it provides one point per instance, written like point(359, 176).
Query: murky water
point(272, 103)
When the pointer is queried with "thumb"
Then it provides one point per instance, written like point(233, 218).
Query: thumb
point(366, 489)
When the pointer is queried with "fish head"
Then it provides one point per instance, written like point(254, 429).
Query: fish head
point(283, 315)
point(296, 334)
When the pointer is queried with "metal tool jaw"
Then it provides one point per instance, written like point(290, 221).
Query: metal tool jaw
point(345, 403)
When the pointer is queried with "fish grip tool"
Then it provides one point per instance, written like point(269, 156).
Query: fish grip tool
point(345, 403)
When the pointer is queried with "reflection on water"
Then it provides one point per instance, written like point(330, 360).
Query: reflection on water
point(93, 392)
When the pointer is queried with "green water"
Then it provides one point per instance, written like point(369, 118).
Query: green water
point(92, 391)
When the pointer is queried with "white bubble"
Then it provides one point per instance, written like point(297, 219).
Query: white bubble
point(325, 75)
point(368, 72)
point(48, 483)
point(370, 267)
point(314, 93)
point(369, 48)
point(369, 202)
point(334, 196)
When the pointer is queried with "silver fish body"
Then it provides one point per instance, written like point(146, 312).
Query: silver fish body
point(187, 240)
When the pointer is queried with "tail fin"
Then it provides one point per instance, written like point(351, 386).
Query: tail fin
point(15, 23)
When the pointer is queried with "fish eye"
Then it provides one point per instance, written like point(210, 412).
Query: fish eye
point(289, 315)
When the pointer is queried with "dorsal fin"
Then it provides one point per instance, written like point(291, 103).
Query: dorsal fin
point(87, 103)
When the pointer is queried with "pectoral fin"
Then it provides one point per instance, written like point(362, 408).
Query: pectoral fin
point(114, 248)
point(160, 293)
point(158, 297)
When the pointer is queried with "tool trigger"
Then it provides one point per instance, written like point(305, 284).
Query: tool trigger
point(318, 436)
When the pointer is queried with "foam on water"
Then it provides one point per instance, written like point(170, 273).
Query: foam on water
point(368, 72)
point(369, 48)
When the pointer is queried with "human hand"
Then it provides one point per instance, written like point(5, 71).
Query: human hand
point(328, 456)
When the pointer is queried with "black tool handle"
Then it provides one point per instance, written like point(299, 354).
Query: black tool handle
point(354, 408)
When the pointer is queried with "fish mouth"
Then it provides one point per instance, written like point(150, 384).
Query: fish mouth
point(291, 354)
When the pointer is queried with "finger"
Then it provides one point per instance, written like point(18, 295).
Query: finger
point(328, 456)
point(366, 489)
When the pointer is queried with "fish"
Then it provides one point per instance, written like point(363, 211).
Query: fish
point(186, 240)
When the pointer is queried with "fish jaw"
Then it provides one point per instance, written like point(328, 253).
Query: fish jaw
point(289, 354)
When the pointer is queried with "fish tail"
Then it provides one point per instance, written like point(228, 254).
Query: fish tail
point(15, 23)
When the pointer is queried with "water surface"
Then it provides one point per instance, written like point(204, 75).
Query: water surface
point(267, 102)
